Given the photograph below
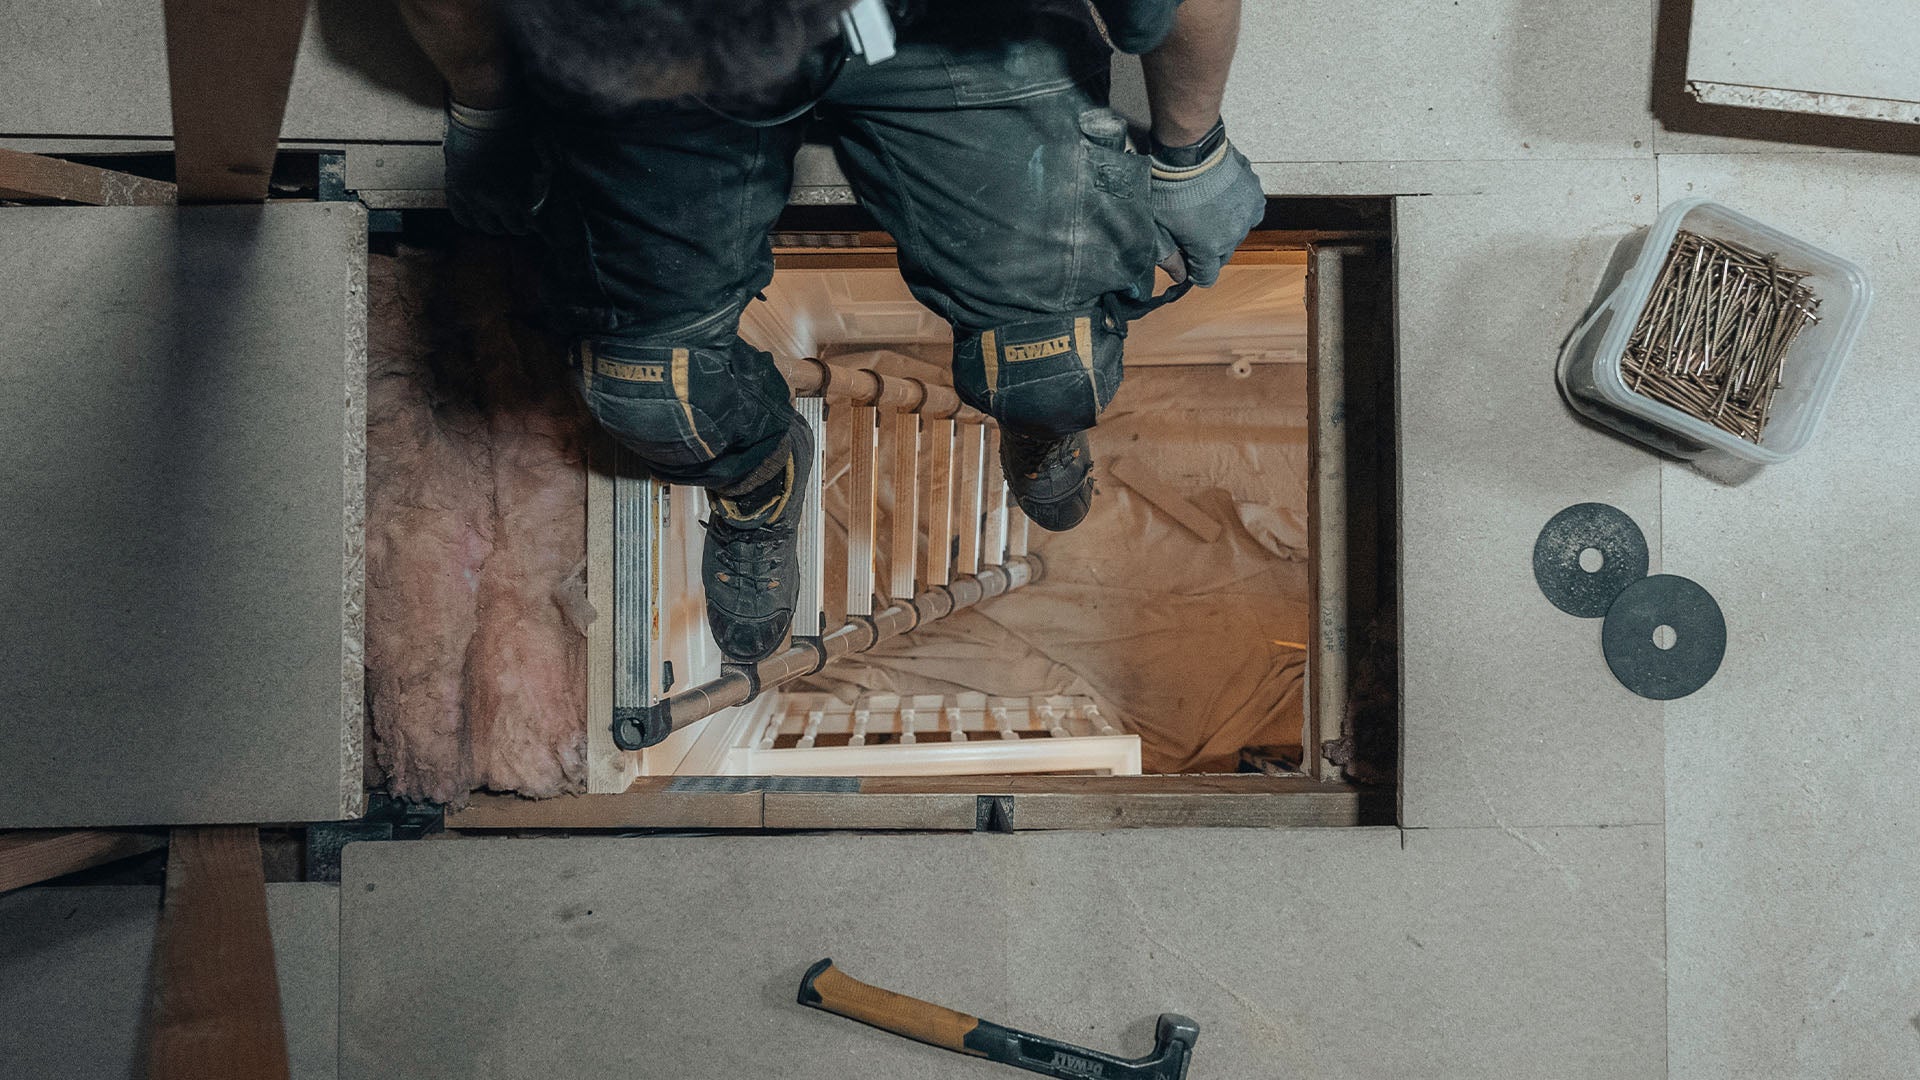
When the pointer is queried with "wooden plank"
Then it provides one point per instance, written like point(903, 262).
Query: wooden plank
point(229, 63)
point(1328, 676)
point(1172, 784)
point(862, 512)
point(216, 1010)
point(37, 855)
point(936, 565)
point(901, 433)
point(1150, 486)
point(1320, 810)
point(1249, 256)
point(824, 810)
point(1038, 802)
point(646, 805)
point(32, 176)
point(609, 768)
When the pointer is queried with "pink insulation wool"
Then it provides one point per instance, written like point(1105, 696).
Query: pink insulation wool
point(476, 612)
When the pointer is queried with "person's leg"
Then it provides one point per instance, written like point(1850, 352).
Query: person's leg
point(657, 233)
point(1021, 219)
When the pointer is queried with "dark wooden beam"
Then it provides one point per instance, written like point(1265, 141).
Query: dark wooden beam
point(33, 176)
point(229, 64)
point(36, 855)
point(216, 1012)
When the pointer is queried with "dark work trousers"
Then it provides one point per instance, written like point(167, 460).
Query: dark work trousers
point(991, 157)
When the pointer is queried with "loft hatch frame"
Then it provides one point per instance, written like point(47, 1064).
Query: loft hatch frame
point(1351, 501)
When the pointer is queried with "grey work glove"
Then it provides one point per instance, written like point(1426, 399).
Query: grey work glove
point(1206, 199)
point(497, 171)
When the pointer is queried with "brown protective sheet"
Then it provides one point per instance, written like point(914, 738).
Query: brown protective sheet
point(476, 610)
point(1175, 637)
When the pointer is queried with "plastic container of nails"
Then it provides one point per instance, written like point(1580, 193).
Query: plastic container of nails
point(1590, 364)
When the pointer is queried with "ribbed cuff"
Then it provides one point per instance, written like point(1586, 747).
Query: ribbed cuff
point(481, 119)
point(1199, 186)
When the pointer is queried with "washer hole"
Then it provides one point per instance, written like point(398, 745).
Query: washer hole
point(1591, 560)
point(1664, 637)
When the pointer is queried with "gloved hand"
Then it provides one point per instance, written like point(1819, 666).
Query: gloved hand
point(1206, 199)
point(497, 171)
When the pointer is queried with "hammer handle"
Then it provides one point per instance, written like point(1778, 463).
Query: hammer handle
point(827, 987)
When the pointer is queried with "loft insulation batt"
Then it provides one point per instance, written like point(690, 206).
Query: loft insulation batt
point(1175, 637)
point(476, 611)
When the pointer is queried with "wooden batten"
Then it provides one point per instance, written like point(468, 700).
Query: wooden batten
point(229, 67)
point(950, 803)
point(216, 1004)
point(26, 176)
point(35, 855)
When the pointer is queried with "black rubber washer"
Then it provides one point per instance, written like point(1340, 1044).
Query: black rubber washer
point(1556, 558)
point(1700, 637)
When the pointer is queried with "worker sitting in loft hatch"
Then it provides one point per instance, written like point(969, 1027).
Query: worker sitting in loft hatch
point(650, 143)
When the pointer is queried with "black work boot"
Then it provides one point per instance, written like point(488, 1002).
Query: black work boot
point(751, 565)
point(1052, 479)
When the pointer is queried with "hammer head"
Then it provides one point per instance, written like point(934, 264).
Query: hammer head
point(1173, 1039)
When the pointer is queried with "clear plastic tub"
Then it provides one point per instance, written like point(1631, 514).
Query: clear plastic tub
point(1590, 362)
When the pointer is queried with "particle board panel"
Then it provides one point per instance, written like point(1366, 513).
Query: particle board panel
point(1686, 124)
point(1341, 179)
point(182, 398)
point(1484, 79)
point(78, 961)
point(1791, 803)
point(1463, 953)
point(305, 917)
point(100, 70)
point(1819, 50)
point(1510, 717)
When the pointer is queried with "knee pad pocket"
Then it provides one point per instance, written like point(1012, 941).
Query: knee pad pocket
point(685, 411)
point(1044, 377)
